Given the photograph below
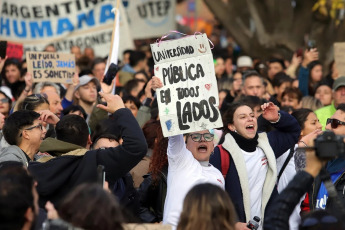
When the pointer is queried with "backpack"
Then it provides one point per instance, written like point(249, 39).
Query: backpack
point(224, 160)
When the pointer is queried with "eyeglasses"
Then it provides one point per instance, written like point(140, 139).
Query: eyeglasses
point(33, 127)
point(4, 100)
point(197, 137)
point(312, 221)
point(334, 122)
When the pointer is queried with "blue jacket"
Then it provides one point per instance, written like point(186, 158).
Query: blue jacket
point(283, 138)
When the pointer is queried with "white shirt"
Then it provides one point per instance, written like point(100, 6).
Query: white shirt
point(184, 172)
point(256, 163)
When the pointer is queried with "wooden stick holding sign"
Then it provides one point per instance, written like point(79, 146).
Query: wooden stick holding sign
point(188, 100)
point(49, 66)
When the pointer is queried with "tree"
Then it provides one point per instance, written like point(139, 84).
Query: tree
point(264, 27)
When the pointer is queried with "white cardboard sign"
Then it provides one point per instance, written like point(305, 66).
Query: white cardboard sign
point(188, 101)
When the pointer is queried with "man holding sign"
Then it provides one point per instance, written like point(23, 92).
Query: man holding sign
point(188, 104)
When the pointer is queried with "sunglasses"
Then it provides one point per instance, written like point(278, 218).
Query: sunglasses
point(197, 137)
point(334, 122)
point(312, 221)
point(4, 100)
point(33, 127)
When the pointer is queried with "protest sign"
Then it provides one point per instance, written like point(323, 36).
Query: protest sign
point(151, 18)
point(63, 23)
point(339, 57)
point(53, 67)
point(188, 100)
point(147, 227)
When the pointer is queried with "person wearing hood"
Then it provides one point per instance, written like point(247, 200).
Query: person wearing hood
point(24, 131)
point(71, 163)
point(318, 196)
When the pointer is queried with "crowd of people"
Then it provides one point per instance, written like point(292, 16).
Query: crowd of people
point(92, 155)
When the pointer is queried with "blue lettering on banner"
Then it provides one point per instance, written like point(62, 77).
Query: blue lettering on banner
point(42, 29)
point(16, 30)
point(35, 28)
point(88, 18)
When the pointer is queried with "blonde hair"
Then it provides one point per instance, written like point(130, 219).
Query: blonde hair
point(207, 206)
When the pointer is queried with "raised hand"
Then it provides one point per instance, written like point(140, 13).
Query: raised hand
point(114, 102)
point(270, 112)
point(48, 117)
point(156, 83)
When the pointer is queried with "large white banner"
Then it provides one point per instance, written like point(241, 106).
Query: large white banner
point(188, 100)
point(151, 18)
point(64, 23)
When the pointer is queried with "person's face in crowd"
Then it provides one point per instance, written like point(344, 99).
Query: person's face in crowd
point(50, 49)
point(35, 133)
point(126, 58)
point(245, 122)
point(54, 102)
point(88, 52)
point(324, 94)
point(253, 86)
point(135, 91)
point(12, 73)
point(340, 130)
point(87, 93)
point(280, 90)
point(273, 69)
point(105, 143)
point(4, 105)
point(140, 76)
point(257, 111)
point(316, 73)
point(202, 149)
point(291, 101)
point(98, 71)
point(339, 96)
point(132, 107)
point(222, 96)
point(237, 82)
point(76, 51)
point(311, 124)
point(228, 66)
point(219, 67)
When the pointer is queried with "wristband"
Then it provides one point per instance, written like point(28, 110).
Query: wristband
point(26, 90)
point(305, 145)
point(274, 122)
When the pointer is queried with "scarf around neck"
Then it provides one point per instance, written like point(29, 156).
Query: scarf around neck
point(248, 145)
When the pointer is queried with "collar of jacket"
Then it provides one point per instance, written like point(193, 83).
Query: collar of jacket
point(57, 148)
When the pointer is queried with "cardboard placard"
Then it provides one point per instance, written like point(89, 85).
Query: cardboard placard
point(14, 50)
point(147, 227)
point(188, 101)
point(339, 57)
point(54, 67)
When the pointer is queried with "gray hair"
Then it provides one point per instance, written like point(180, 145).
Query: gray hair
point(39, 87)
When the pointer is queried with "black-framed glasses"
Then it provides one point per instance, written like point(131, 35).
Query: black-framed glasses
point(197, 137)
point(33, 127)
point(4, 100)
point(334, 122)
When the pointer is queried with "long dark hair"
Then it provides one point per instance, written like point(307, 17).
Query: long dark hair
point(301, 116)
point(90, 207)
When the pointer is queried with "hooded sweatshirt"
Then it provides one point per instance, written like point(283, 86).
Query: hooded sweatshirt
point(13, 153)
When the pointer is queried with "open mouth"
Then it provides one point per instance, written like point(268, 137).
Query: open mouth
point(202, 148)
point(250, 127)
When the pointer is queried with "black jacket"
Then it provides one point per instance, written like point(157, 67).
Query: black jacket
point(59, 175)
point(152, 197)
point(285, 203)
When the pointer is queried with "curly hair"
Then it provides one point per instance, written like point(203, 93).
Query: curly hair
point(159, 158)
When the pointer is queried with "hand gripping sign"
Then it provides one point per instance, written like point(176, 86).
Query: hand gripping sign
point(188, 101)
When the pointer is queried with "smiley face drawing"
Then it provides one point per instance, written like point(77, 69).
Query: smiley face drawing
point(202, 48)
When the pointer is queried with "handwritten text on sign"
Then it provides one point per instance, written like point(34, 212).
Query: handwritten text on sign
point(188, 100)
point(54, 67)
